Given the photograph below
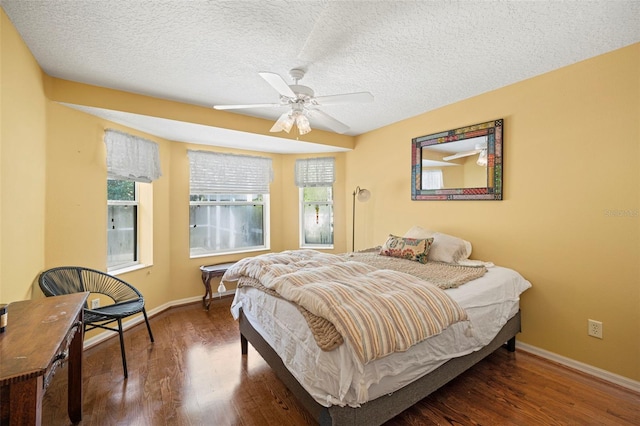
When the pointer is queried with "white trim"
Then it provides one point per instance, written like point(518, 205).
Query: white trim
point(585, 368)
point(222, 253)
point(134, 267)
point(101, 337)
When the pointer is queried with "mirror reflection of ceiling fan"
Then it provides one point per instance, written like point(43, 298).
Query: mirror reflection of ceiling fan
point(480, 148)
point(302, 104)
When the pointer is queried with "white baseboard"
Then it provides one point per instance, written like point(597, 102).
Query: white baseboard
point(585, 368)
point(102, 336)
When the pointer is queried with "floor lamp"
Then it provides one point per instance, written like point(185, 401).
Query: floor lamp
point(363, 195)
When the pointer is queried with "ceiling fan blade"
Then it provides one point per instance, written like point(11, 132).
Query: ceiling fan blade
point(346, 98)
point(222, 107)
point(462, 154)
point(325, 119)
point(278, 83)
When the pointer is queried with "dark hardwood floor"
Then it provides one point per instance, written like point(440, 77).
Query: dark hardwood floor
point(194, 375)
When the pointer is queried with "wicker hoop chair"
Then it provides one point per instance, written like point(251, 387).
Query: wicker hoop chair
point(127, 300)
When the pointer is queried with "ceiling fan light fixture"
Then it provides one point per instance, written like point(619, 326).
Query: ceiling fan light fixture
point(284, 123)
point(482, 158)
point(303, 124)
point(299, 98)
point(286, 120)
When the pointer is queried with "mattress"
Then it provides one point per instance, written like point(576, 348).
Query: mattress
point(338, 378)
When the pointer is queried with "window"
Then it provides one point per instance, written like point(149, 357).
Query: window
point(122, 224)
point(132, 164)
point(224, 223)
point(315, 177)
point(316, 217)
point(432, 179)
point(229, 203)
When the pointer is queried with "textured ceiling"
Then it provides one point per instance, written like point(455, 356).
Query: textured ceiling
point(413, 56)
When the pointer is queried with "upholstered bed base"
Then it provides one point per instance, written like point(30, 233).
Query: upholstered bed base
point(383, 408)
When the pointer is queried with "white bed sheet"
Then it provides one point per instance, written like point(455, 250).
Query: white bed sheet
point(338, 378)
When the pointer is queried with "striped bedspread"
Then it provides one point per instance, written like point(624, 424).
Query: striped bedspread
point(378, 311)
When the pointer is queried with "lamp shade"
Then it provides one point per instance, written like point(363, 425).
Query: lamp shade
point(363, 195)
point(296, 115)
point(284, 123)
point(303, 124)
point(482, 158)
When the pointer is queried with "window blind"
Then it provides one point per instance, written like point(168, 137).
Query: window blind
point(131, 157)
point(216, 173)
point(313, 172)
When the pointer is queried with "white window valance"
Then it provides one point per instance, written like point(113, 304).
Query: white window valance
point(131, 157)
point(216, 173)
point(313, 172)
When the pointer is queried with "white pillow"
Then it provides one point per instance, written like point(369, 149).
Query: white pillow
point(445, 248)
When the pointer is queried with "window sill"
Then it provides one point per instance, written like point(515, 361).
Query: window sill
point(116, 272)
point(316, 247)
point(198, 256)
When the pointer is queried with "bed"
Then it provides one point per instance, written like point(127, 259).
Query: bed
point(337, 386)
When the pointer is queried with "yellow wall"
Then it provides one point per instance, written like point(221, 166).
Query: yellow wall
point(571, 159)
point(555, 224)
point(453, 176)
point(76, 194)
point(22, 166)
point(474, 176)
point(76, 206)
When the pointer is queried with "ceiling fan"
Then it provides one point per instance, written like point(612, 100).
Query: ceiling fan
point(302, 103)
point(480, 148)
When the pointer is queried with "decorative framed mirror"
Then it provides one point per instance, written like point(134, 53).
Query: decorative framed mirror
point(458, 164)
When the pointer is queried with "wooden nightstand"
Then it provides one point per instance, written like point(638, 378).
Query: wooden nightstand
point(208, 272)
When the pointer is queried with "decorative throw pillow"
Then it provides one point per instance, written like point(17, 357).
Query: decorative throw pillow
point(407, 248)
point(446, 248)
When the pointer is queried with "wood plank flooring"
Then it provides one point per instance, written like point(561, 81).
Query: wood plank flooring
point(194, 375)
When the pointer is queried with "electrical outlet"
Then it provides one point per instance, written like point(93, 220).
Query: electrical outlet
point(595, 329)
point(95, 303)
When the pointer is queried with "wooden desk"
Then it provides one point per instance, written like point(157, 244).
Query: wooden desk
point(208, 272)
point(40, 335)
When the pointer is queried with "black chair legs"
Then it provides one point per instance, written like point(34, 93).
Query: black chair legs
point(124, 356)
point(144, 312)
